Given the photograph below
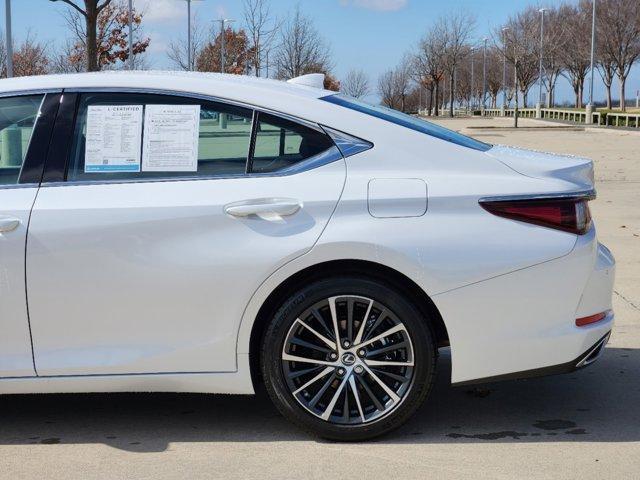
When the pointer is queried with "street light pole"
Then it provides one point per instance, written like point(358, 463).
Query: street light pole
point(471, 102)
point(593, 42)
point(504, 67)
point(484, 75)
point(130, 35)
point(538, 111)
point(9, 41)
point(223, 21)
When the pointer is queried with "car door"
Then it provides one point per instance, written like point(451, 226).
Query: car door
point(21, 156)
point(149, 271)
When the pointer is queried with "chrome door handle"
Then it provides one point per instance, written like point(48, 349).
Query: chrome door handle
point(264, 207)
point(8, 224)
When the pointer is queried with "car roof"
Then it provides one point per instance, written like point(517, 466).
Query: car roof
point(241, 88)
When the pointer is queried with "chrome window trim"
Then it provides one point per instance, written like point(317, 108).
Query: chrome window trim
point(328, 156)
point(10, 186)
point(578, 194)
point(196, 96)
point(23, 93)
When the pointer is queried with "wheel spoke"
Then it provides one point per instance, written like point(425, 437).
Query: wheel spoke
point(313, 346)
point(321, 321)
point(356, 395)
point(393, 376)
point(299, 373)
point(334, 399)
point(350, 306)
point(330, 343)
point(372, 396)
point(385, 363)
point(294, 358)
point(358, 338)
point(393, 346)
point(378, 321)
point(384, 386)
point(334, 318)
point(391, 331)
point(314, 379)
point(318, 396)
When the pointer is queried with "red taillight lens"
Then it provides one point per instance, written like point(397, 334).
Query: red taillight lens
point(566, 214)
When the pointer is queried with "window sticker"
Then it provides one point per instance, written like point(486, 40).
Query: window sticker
point(171, 138)
point(113, 138)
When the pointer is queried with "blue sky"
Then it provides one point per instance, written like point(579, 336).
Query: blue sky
point(371, 35)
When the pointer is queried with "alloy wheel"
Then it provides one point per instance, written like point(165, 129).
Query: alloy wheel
point(348, 360)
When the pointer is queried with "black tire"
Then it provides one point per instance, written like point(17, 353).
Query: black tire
point(283, 328)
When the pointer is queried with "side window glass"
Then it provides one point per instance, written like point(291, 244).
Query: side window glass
point(140, 136)
point(17, 119)
point(281, 143)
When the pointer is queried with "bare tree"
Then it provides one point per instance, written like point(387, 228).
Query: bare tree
point(576, 59)
point(261, 28)
point(555, 40)
point(178, 48)
point(302, 50)
point(402, 80)
point(356, 84)
point(618, 28)
point(454, 31)
point(429, 65)
point(519, 42)
point(386, 89)
point(494, 75)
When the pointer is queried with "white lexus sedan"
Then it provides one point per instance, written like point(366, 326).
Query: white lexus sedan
point(208, 233)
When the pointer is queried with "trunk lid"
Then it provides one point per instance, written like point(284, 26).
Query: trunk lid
point(531, 163)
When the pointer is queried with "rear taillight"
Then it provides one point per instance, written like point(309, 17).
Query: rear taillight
point(566, 214)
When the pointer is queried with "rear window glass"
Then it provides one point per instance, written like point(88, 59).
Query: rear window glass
point(407, 121)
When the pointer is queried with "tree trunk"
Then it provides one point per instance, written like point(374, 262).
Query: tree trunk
point(437, 89)
point(609, 101)
point(430, 100)
point(622, 80)
point(91, 23)
point(525, 94)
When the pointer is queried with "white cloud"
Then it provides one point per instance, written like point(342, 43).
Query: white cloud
point(162, 10)
point(379, 5)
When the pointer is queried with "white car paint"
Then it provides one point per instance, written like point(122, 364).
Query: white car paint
point(155, 279)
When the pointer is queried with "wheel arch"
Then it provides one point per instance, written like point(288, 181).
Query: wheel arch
point(377, 271)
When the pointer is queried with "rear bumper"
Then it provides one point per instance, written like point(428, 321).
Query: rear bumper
point(524, 323)
point(584, 360)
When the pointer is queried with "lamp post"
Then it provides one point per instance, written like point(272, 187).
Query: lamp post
point(504, 68)
point(223, 22)
point(589, 109)
point(484, 75)
point(189, 52)
point(471, 103)
point(539, 105)
point(9, 41)
point(130, 34)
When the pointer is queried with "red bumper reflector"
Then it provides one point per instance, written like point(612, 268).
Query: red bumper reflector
point(581, 322)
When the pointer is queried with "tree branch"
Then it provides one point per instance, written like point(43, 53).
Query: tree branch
point(69, 2)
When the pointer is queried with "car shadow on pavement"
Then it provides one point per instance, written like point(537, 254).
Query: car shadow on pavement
point(597, 404)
